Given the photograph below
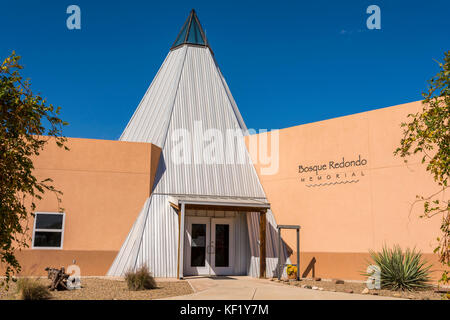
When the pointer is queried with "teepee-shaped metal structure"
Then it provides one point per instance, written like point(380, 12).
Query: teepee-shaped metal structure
point(187, 108)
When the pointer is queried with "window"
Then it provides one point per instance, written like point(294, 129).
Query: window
point(48, 230)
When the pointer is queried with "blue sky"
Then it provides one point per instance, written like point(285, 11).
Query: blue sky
point(286, 62)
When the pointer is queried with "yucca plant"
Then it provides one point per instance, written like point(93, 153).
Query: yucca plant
point(141, 279)
point(401, 270)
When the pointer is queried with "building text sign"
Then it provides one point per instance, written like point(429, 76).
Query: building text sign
point(333, 172)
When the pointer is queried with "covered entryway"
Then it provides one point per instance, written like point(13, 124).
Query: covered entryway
point(213, 238)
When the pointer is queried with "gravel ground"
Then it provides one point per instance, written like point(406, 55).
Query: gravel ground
point(358, 287)
point(106, 289)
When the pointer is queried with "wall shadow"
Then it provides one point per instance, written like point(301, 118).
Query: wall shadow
point(310, 268)
point(159, 171)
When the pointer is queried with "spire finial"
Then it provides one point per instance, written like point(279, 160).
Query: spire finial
point(191, 32)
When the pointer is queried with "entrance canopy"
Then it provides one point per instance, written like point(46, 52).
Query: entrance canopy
point(219, 203)
point(183, 202)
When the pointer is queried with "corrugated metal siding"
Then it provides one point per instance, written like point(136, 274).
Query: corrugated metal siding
point(190, 87)
point(202, 96)
point(152, 241)
point(242, 245)
point(151, 118)
point(230, 97)
point(159, 248)
point(125, 259)
point(271, 245)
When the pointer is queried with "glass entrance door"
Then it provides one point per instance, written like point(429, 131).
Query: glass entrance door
point(209, 246)
point(198, 246)
point(222, 243)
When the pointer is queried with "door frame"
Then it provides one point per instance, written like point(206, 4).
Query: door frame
point(205, 270)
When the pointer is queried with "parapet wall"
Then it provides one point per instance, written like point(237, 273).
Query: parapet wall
point(340, 181)
point(104, 184)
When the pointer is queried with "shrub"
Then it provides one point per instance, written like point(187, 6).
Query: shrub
point(141, 279)
point(30, 289)
point(401, 270)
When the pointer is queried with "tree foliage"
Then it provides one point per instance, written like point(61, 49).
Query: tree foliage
point(27, 123)
point(427, 133)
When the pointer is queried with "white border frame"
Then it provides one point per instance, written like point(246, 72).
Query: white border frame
point(49, 230)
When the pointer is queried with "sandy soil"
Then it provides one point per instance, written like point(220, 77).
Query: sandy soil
point(358, 287)
point(106, 289)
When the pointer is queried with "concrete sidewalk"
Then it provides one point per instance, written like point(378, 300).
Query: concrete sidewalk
point(247, 288)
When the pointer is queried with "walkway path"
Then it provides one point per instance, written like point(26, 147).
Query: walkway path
point(247, 288)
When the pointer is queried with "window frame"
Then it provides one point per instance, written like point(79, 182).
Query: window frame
point(49, 230)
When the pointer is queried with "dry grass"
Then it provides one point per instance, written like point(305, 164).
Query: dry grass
point(358, 287)
point(140, 279)
point(32, 289)
point(106, 289)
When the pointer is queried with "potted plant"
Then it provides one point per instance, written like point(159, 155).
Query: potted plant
point(291, 271)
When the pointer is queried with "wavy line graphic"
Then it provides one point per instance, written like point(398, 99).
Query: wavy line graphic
point(332, 183)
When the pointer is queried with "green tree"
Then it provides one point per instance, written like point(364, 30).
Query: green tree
point(427, 133)
point(27, 124)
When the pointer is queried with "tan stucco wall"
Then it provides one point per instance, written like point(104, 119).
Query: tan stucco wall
point(105, 184)
point(341, 222)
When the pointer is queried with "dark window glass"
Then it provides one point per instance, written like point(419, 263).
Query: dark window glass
point(222, 245)
point(49, 221)
point(47, 239)
point(198, 246)
point(195, 36)
point(182, 36)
